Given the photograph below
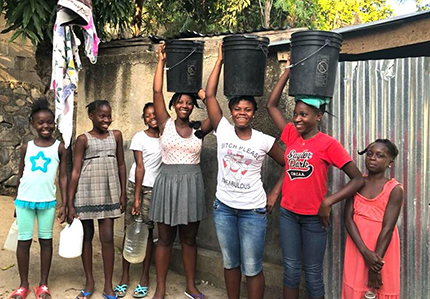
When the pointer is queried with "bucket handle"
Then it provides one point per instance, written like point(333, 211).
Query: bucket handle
point(327, 42)
point(188, 56)
point(265, 51)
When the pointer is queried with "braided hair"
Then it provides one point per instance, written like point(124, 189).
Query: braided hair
point(147, 105)
point(40, 105)
point(235, 100)
point(392, 148)
point(93, 106)
point(176, 97)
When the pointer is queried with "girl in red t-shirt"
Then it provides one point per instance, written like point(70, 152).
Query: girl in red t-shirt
point(305, 207)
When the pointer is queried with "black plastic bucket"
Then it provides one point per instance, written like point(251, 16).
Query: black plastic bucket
point(244, 65)
point(184, 65)
point(316, 54)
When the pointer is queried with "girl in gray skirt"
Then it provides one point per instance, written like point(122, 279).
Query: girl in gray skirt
point(178, 193)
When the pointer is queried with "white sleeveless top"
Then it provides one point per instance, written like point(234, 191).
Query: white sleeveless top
point(40, 169)
point(178, 150)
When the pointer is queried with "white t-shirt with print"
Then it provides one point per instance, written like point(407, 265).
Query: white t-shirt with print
point(151, 152)
point(239, 167)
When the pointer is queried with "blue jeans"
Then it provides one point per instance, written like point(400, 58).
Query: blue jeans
point(303, 232)
point(241, 235)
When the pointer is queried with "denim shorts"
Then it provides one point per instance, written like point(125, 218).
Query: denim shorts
point(303, 234)
point(241, 235)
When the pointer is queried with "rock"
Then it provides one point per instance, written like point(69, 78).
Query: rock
point(12, 181)
point(21, 121)
point(35, 93)
point(9, 108)
point(4, 99)
point(4, 155)
point(30, 100)
point(20, 90)
point(5, 173)
point(1, 118)
point(20, 102)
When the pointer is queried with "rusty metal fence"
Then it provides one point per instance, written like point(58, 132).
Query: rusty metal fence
point(386, 99)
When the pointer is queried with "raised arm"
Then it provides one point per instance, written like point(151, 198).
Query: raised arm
point(76, 173)
point(62, 151)
point(372, 259)
point(121, 167)
point(273, 101)
point(214, 110)
point(355, 184)
point(157, 88)
point(206, 127)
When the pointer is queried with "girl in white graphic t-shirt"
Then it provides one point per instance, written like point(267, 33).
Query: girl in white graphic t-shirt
point(240, 206)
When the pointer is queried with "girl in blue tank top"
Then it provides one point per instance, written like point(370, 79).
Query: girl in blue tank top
point(40, 159)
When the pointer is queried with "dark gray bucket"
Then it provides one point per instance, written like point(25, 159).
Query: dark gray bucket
point(244, 65)
point(184, 65)
point(316, 54)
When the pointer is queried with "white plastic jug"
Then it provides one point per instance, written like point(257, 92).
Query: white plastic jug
point(12, 238)
point(71, 239)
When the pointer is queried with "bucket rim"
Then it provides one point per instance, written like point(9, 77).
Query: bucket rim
point(185, 42)
point(246, 37)
point(318, 32)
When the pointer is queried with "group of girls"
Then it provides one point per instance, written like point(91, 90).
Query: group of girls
point(165, 186)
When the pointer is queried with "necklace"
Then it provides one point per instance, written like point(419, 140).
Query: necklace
point(304, 141)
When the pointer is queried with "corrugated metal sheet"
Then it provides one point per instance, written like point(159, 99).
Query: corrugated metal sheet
point(386, 99)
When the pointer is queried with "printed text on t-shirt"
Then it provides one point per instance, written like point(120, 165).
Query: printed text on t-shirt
point(298, 164)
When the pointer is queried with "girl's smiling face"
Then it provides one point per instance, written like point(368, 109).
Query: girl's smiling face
point(184, 106)
point(149, 117)
point(306, 119)
point(102, 117)
point(242, 113)
point(378, 158)
point(43, 123)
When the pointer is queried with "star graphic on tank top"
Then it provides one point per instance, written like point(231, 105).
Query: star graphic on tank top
point(39, 162)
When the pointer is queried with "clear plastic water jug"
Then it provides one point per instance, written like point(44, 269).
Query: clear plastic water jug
point(71, 240)
point(12, 238)
point(136, 240)
point(370, 295)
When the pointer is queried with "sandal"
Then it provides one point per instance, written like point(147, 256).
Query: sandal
point(86, 295)
point(39, 290)
point(140, 292)
point(194, 296)
point(105, 296)
point(22, 292)
point(121, 290)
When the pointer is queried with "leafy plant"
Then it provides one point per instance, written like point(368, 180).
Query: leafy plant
point(31, 19)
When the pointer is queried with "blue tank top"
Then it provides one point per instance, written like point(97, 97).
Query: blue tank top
point(37, 184)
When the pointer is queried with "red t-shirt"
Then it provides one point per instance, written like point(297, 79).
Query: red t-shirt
point(306, 166)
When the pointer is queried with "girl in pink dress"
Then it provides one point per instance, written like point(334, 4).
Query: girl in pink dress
point(372, 251)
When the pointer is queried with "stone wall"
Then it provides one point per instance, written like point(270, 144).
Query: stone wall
point(15, 107)
point(20, 85)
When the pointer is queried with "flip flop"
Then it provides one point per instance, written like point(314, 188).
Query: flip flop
point(105, 296)
point(86, 295)
point(140, 292)
point(22, 292)
point(194, 296)
point(39, 290)
point(121, 290)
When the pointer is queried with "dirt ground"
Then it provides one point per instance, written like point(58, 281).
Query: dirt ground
point(67, 277)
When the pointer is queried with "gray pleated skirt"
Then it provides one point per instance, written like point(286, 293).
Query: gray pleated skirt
point(178, 195)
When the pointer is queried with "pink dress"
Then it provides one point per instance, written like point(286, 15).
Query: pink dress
point(368, 216)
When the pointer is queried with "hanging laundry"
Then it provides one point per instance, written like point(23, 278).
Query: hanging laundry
point(65, 58)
